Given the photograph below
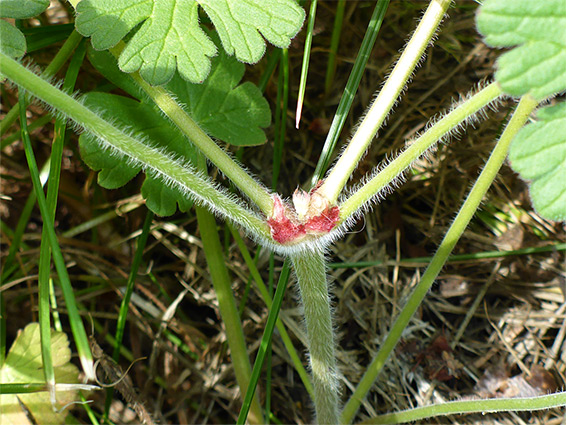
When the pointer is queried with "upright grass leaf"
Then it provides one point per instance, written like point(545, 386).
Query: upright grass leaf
point(280, 116)
point(60, 58)
point(38, 38)
point(44, 279)
point(38, 123)
point(221, 282)
point(334, 43)
point(77, 327)
point(125, 304)
point(306, 59)
point(272, 61)
point(350, 90)
point(468, 209)
point(265, 341)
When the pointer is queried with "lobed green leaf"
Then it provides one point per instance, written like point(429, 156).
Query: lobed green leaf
point(167, 35)
point(538, 153)
point(539, 29)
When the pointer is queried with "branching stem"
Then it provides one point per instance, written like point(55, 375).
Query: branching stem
point(234, 171)
point(468, 209)
point(154, 161)
point(395, 169)
point(342, 170)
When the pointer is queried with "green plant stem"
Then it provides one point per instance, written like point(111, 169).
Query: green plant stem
point(468, 209)
point(234, 171)
point(310, 267)
point(227, 304)
point(394, 169)
point(154, 161)
point(492, 405)
point(60, 58)
point(350, 90)
point(342, 170)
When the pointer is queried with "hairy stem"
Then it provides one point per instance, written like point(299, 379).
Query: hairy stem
point(58, 61)
point(468, 209)
point(342, 170)
point(395, 169)
point(154, 161)
point(234, 171)
point(310, 267)
point(483, 406)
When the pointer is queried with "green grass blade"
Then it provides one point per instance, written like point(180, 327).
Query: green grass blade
point(44, 280)
point(334, 43)
point(77, 327)
point(272, 61)
point(38, 123)
point(280, 115)
point(39, 37)
point(222, 284)
point(306, 59)
point(350, 90)
point(468, 209)
point(60, 58)
point(263, 348)
point(125, 304)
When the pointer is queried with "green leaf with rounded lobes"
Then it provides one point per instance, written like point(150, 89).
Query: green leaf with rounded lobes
point(166, 35)
point(242, 23)
point(538, 154)
point(232, 112)
point(538, 28)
